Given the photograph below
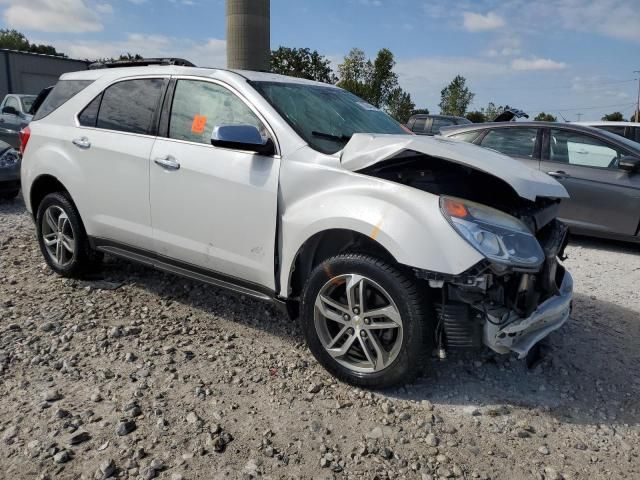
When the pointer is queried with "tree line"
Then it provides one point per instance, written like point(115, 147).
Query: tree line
point(374, 80)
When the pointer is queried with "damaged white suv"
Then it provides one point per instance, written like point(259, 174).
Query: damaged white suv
point(385, 244)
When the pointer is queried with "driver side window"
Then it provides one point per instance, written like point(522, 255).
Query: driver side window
point(200, 106)
point(578, 149)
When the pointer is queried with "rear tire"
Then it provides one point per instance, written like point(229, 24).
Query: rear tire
point(366, 321)
point(62, 238)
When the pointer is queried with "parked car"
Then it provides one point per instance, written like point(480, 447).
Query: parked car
point(630, 130)
point(14, 116)
point(9, 172)
point(385, 244)
point(427, 124)
point(600, 170)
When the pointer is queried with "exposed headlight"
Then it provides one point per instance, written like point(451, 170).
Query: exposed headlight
point(9, 158)
point(499, 237)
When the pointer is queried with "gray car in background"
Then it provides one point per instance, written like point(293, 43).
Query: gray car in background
point(600, 170)
point(14, 115)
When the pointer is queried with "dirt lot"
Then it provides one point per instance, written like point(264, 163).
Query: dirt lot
point(139, 374)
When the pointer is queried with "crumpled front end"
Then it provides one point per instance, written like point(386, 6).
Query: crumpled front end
point(506, 309)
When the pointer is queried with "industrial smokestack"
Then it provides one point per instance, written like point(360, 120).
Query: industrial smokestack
point(249, 34)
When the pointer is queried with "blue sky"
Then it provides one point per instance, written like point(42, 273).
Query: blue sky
point(560, 56)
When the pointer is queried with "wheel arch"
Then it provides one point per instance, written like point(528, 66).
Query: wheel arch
point(42, 186)
point(326, 244)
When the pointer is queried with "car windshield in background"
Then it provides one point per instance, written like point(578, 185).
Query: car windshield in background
point(325, 117)
point(27, 102)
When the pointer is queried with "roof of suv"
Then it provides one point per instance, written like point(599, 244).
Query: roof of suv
point(193, 71)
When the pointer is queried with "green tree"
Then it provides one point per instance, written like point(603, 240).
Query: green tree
point(613, 117)
point(476, 116)
point(399, 105)
point(455, 98)
point(376, 82)
point(545, 117)
point(420, 111)
point(15, 40)
point(302, 63)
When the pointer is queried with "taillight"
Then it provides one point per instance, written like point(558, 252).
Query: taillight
point(24, 135)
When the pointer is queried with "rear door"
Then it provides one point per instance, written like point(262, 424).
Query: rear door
point(213, 208)
point(522, 143)
point(603, 198)
point(112, 145)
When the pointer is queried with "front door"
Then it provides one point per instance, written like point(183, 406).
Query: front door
point(602, 197)
point(213, 208)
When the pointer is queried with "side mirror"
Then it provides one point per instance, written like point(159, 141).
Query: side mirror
point(242, 137)
point(629, 164)
point(9, 111)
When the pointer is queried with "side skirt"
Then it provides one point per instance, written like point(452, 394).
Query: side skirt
point(187, 270)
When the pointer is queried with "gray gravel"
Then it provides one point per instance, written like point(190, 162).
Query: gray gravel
point(140, 374)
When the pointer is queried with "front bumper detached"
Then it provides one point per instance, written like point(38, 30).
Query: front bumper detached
point(512, 333)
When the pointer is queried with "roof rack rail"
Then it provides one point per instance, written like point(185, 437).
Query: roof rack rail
point(180, 62)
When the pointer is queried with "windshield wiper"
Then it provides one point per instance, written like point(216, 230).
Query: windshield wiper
point(328, 136)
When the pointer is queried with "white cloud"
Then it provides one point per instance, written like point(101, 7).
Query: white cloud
point(104, 8)
point(537, 64)
point(211, 52)
point(476, 22)
point(52, 15)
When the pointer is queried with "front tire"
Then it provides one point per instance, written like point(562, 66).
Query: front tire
point(366, 321)
point(62, 238)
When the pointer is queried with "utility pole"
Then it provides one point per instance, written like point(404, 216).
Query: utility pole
point(638, 103)
point(579, 115)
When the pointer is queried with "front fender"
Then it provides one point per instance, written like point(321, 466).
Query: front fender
point(405, 221)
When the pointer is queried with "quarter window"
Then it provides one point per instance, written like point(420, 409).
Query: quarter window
point(130, 106)
point(200, 106)
point(578, 149)
point(89, 115)
point(61, 93)
point(515, 142)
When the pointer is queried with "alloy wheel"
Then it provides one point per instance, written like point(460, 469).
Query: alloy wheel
point(58, 236)
point(358, 323)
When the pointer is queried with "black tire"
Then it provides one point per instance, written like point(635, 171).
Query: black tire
point(84, 258)
point(9, 194)
point(412, 304)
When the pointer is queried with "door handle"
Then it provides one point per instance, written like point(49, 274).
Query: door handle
point(168, 162)
point(558, 174)
point(82, 142)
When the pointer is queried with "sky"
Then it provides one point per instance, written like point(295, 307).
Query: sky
point(565, 57)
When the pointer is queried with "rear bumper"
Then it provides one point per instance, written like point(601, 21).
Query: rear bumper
point(519, 335)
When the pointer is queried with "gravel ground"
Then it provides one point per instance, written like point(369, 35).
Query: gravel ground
point(140, 374)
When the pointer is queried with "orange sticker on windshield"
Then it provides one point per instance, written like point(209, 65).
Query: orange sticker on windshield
point(199, 122)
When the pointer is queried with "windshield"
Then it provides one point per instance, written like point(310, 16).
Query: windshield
point(27, 102)
point(325, 117)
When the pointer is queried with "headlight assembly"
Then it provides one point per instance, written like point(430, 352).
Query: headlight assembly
point(499, 237)
point(9, 158)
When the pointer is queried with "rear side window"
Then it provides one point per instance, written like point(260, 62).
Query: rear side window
point(515, 142)
point(419, 125)
point(61, 93)
point(130, 106)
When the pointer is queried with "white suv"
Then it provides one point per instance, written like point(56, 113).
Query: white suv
point(386, 245)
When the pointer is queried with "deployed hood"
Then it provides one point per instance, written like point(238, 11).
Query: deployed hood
point(365, 150)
